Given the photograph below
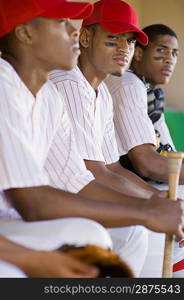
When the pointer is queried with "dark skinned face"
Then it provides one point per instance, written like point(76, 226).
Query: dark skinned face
point(159, 59)
point(55, 43)
point(110, 53)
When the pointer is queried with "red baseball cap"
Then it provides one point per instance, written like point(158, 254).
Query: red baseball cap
point(15, 12)
point(116, 16)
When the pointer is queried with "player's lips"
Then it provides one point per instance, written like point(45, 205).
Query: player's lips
point(76, 48)
point(121, 60)
point(166, 72)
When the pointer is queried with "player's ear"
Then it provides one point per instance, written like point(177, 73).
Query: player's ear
point(138, 54)
point(23, 33)
point(84, 37)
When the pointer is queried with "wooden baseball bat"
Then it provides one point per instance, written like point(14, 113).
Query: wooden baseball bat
point(174, 167)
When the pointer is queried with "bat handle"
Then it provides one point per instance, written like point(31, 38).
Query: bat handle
point(174, 167)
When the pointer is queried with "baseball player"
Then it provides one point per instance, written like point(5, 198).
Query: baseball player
point(25, 130)
point(138, 111)
point(107, 41)
point(139, 103)
point(44, 176)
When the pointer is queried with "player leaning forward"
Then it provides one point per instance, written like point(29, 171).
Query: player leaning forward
point(35, 37)
point(43, 175)
point(107, 41)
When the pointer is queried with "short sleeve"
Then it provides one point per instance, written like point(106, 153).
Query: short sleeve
point(64, 166)
point(133, 126)
point(19, 164)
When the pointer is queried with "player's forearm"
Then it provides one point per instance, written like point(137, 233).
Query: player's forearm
point(119, 179)
point(14, 253)
point(149, 163)
point(129, 183)
point(117, 209)
point(44, 203)
point(8, 247)
point(157, 170)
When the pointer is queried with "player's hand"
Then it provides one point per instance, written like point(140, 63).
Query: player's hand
point(165, 215)
point(55, 264)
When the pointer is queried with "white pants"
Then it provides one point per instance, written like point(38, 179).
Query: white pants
point(129, 242)
point(50, 235)
point(10, 271)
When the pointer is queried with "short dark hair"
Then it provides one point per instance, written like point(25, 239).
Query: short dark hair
point(154, 30)
point(5, 42)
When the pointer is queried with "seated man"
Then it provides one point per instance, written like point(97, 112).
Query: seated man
point(139, 103)
point(138, 108)
point(21, 136)
point(107, 41)
point(43, 175)
point(19, 261)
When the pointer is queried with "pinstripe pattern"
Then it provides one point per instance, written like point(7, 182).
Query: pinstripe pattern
point(91, 115)
point(36, 141)
point(133, 126)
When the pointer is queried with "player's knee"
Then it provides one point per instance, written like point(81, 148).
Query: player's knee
point(94, 233)
point(99, 234)
point(82, 231)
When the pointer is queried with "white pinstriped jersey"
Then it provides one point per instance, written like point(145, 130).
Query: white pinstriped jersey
point(37, 145)
point(133, 126)
point(91, 115)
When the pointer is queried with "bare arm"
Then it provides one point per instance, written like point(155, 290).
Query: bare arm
point(130, 176)
point(119, 179)
point(107, 206)
point(41, 203)
point(43, 263)
point(149, 163)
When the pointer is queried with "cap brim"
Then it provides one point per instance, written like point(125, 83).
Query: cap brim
point(115, 28)
point(72, 10)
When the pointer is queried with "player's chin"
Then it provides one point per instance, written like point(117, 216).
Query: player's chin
point(164, 80)
point(118, 71)
point(167, 79)
point(70, 64)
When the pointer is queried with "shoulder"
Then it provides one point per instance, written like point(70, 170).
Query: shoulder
point(50, 89)
point(73, 75)
point(50, 95)
point(128, 79)
point(8, 75)
point(131, 78)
